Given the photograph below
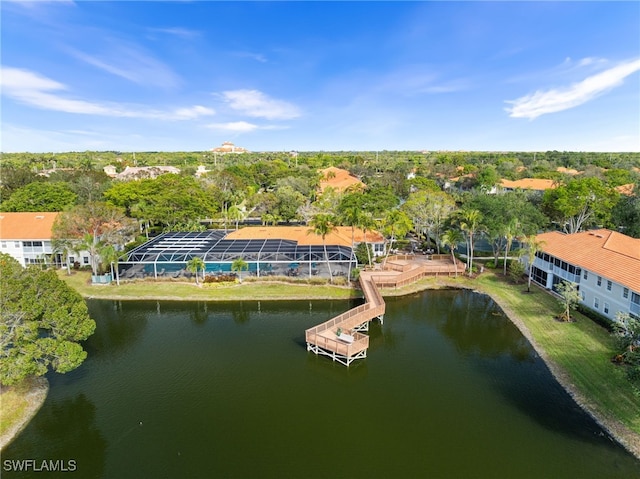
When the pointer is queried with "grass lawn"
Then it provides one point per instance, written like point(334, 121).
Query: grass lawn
point(14, 404)
point(18, 404)
point(182, 290)
point(581, 350)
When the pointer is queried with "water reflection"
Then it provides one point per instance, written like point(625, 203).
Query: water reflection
point(65, 430)
point(120, 326)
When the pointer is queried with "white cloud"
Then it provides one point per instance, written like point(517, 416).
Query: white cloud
point(237, 126)
point(554, 100)
point(177, 32)
point(131, 63)
point(193, 112)
point(35, 90)
point(256, 104)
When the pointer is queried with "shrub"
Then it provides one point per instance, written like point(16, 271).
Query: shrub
point(595, 317)
point(516, 270)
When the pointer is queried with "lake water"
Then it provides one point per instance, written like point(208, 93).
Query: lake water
point(450, 389)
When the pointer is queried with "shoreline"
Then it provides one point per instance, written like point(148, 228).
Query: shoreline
point(35, 397)
point(627, 438)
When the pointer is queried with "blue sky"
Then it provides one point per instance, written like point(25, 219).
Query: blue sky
point(281, 76)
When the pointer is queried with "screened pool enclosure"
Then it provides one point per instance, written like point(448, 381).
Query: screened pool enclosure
point(167, 255)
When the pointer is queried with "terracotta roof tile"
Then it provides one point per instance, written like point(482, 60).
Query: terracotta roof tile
point(338, 179)
point(26, 226)
point(626, 189)
point(301, 234)
point(606, 253)
point(529, 184)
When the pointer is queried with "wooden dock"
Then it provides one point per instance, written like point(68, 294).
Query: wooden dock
point(341, 337)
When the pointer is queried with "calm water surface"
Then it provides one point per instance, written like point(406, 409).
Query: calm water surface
point(450, 389)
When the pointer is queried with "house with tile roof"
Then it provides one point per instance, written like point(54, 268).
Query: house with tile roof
point(533, 184)
point(604, 263)
point(27, 236)
point(228, 147)
point(338, 179)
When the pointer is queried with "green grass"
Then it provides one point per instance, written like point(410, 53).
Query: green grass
point(13, 405)
point(183, 290)
point(581, 350)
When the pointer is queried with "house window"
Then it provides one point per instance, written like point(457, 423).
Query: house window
point(606, 308)
point(4, 244)
point(85, 260)
point(625, 293)
point(596, 303)
point(608, 285)
point(72, 260)
point(16, 244)
point(585, 274)
point(599, 280)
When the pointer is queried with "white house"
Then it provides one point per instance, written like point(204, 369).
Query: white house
point(604, 263)
point(27, 238)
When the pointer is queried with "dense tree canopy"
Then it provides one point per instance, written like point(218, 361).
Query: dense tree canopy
point(42, 322)
point(581, 202)
point(40, 196)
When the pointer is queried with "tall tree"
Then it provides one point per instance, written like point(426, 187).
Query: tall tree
point(531, 248)
point(511, 231)
point(581, 202)
point(42, 322)
point(451, 238)
point(322, 225)
point(92, 227)
point(351, 217)
point(395, 224)
point(470, 224)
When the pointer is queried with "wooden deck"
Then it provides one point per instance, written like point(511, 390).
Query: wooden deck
point(398, 271)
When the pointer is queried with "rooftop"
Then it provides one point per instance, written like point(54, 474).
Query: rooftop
point(604, 252)
point(338, 179)
point(536, 184)
point(26, 226)
point(300, 234)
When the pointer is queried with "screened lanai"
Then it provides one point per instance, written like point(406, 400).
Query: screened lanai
point(167, 255)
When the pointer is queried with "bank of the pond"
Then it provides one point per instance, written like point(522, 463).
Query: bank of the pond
point(577, 354)
point(189, 291)
point(19, 404)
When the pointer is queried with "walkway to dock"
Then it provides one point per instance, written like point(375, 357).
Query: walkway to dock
point(341, 338)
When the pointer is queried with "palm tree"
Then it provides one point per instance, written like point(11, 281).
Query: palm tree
point(351, 217)
point(452, 238)
point(235, 214)
point(395, 224)
point(511, 231)
point(470, 224)
point(238, 266)
point(367, 223)
point(323, 224)
point(532, 246)
point(62, 247)
point(194, 265)
point(109, 255)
